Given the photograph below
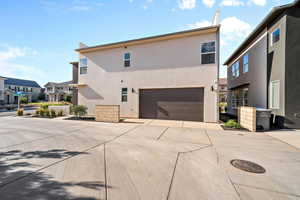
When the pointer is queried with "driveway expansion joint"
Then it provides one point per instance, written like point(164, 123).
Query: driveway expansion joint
point(266, 189)
point(163, 132)
point(64, 159)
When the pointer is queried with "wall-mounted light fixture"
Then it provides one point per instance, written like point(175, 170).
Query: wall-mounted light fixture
point(132, 90)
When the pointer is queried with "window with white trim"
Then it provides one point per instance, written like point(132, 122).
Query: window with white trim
point(275, 37)
point(127, 58)
point(208, 53)
point(83, 65)
point(246, 63)
point(235, 69)
point(275, 94)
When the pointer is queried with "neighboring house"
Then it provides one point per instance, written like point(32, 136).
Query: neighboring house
point(58, 91)
point(2, 90)
point(30, 89)
point(171, 76)
point(264, 71)
point(223, 90)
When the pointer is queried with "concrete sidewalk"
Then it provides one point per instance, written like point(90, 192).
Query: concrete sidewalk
point(62, 159)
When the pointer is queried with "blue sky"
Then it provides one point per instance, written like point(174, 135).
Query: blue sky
point(38, 37)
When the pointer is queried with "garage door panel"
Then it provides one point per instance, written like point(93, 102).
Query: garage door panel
point(177, 104)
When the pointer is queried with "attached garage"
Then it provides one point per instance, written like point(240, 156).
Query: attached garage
point(173, 104)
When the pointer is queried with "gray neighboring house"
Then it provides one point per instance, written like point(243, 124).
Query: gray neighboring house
point(172, 76)
point(55, 92)
point(10, 86)
point(264, 71)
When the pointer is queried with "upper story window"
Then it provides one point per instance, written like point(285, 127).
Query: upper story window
point(235, 69)
point(275, 36)
point(124, 94)
point(83, 66)
point(127, 58)
point(246, 63)
point(208, 53)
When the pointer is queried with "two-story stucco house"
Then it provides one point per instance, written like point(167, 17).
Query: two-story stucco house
point(264, 72)
point(171, 76)
point(58, 91)
point(30, 89)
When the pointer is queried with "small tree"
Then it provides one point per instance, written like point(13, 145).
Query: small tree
point(79, 110)
point(23, 100)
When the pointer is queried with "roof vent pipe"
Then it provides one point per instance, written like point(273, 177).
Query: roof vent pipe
point(216, 19)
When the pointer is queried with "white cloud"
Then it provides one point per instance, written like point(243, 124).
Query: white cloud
point(200, 24)
point(186, 4)
point(209, 3)
point(232, 29)
point(258, 2)
point(232, 3)
point(11, 69)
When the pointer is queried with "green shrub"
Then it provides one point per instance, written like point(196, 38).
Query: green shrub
point(53, 113)
point(79, 110)
point(44, 106)
point(47, 113)
point(23, 100)
point(37, 112)
point(232, 124)
point(20, 112)
point(42, 112)
point(60, 113)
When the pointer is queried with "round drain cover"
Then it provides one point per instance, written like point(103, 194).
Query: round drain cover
point(248, 166)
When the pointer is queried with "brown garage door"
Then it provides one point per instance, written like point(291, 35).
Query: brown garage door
point(175, 104)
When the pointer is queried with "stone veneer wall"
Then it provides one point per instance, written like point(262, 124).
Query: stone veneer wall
point(108, 113)
point(247, 117)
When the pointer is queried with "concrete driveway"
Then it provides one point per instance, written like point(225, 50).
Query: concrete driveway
point(57, 159)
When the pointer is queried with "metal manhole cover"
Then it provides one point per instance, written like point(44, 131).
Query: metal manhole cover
point(248, 166)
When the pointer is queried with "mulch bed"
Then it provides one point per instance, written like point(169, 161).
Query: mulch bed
point(234, 129)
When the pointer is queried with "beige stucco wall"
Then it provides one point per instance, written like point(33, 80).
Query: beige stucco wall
point(165, 64)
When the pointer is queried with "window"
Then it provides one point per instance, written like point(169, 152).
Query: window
point(239, 97)
point(208, 53)
point(274, 94)
point(127, 60)
point(246, 63)
point(275, 36)
point(124, 94)
point(235, 69)
point(83, 66)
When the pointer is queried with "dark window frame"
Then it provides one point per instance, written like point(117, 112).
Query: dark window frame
point(127, 59)
point(208, 53)
point(124, 95)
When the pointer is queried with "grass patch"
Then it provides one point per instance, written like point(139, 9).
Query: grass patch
point(232, 124)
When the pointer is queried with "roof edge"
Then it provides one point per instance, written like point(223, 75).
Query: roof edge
point(145, 39)
point(258, 27)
